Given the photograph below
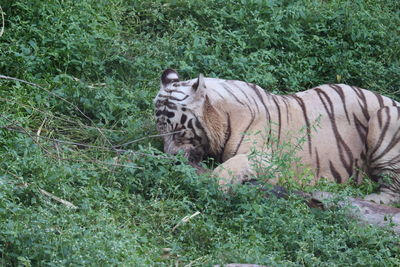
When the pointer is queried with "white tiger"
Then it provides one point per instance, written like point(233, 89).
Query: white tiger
point(358, 132)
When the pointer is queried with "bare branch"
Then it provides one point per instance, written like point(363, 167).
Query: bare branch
point(146, 137)
point(62, 201)
point(185, 220)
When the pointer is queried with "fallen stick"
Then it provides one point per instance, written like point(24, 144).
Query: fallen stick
point(60, 200)
point(185, 220)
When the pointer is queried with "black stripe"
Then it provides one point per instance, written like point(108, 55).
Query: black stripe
point(393, 142)
point(198, 124)
point(380, 99)
point(379, 115)
point(255, 102)
point(340, 143)
point(183, 118)
point(357, 174)
point(232, 94)
point(227, 136)
point(318, 163)
point(361, 129)
point(267, 114)
point(398, 113)
point(364, 104)
point(170, 97)
point(268, 95)
point(279, 118)
point(219, 94)
point(165, 113)
point(340, 92)
point(175, 91)
point(256, 90)
point(304, 109)
point(190, 124)
point(336, 175)
point(382, 135)
point(167, 103)
point(247, 97)
point(247, 128)
point(171, 105)
point(285, 101)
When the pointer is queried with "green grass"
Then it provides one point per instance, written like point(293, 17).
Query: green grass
point(98, 65)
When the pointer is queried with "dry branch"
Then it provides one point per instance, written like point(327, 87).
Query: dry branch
point(146, 137)
point(185, 220)
point(60, 200)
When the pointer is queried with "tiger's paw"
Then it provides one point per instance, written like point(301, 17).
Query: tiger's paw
point(234, 171)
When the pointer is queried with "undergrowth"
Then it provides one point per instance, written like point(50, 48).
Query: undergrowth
point(76, 120)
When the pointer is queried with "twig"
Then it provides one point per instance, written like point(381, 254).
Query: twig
point(185, 220)
point(57, 96)
point(145, 137)
point(62, 201)
point(39, 131)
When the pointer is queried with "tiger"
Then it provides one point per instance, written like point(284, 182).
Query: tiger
point(358, 133)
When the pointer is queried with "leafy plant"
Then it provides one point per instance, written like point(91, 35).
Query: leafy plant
point(76, 116)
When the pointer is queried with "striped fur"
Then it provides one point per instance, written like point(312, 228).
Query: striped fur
point(358, 130)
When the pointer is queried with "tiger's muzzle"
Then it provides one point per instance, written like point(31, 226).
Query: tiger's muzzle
point(193, 153)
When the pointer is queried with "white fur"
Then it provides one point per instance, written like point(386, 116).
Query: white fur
point(172, 76)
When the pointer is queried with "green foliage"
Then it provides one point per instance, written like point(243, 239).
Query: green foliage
point(96, 66)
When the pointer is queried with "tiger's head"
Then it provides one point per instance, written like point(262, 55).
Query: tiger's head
point(186, 118)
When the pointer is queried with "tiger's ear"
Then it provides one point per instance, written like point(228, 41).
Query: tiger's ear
point(214, 125)
point(169, 76)
point(199, 84)
point(199, 89)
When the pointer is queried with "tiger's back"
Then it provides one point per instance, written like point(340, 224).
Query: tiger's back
point(337, 118)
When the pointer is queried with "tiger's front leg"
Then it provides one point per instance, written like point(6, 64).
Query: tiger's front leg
point(236, 170)
point(240, 169)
